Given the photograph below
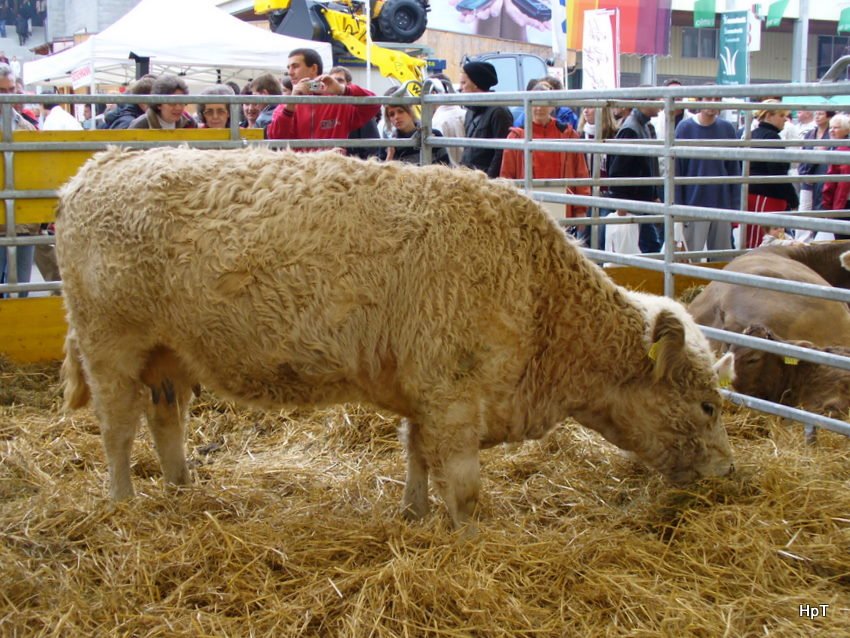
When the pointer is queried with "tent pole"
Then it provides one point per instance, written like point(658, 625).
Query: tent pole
point(143, 65)
point(93, 91)
point(368, 45)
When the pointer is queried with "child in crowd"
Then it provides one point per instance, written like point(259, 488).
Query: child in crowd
point(621, 238)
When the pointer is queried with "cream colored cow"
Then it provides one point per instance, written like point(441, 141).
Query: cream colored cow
point(277, 278)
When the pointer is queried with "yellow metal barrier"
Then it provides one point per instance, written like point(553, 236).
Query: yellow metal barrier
point(33, 329)
point(49, 169)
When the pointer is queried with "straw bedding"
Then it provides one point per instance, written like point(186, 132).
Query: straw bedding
point(291, 529)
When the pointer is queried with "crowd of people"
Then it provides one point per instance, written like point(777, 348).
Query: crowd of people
point(373, 124)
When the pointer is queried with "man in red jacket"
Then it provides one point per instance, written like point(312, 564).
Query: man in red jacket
point(317, 121)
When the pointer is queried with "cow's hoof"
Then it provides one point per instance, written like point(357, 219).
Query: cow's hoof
point(414, 511)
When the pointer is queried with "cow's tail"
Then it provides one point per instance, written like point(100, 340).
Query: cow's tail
point(845, 260)
point(75, 387)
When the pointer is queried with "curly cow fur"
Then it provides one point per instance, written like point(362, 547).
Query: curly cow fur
point(280, 278)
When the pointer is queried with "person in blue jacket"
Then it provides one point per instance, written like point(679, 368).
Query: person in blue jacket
point(707, 125)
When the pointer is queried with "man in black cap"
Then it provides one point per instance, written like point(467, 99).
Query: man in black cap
point(483, 121)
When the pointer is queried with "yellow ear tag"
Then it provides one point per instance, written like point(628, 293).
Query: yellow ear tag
point(725, 382)
point(791, 361)
point(653, 351)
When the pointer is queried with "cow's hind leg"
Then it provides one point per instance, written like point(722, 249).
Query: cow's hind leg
point(414, 504)
point(170, 395)
point(118, 403)
point(451, 450)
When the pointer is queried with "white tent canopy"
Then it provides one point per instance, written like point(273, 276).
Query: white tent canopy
point(191, 38)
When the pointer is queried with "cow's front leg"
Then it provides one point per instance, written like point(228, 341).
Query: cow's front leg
point(414, 503)
point(459, 481)
point(451, 450)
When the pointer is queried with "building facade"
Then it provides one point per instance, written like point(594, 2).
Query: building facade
point(69, 18)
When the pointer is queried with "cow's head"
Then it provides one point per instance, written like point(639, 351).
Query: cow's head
point(758, 373)
point(669, 415)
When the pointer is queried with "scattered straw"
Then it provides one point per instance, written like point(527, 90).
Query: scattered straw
point(689, 294)
point(32, 385)
point(291, 529)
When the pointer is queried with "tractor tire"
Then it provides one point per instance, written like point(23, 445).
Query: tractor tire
point(402, 20)
point(275, 18)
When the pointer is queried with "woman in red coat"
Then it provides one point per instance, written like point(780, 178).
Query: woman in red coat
point(835, 194)
point(548, 164)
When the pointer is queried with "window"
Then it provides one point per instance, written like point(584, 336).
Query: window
point(506, 71)
point(830, 48)
point(699, 43)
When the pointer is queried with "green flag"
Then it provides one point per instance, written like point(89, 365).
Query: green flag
point(844, 21)
point(775, 12)
point(704, 11)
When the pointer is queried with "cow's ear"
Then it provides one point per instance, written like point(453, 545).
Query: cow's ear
point(760, 331)
point(725, 369)
point(668, 346)
point(835, 408)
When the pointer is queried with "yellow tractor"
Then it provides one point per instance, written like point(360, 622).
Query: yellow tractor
point(343, 23)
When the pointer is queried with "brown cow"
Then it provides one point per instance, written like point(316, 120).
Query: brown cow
point(280, 278)
point(801, 384)
point(734, 307)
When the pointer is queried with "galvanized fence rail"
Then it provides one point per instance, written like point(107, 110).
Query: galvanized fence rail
point(744, 99)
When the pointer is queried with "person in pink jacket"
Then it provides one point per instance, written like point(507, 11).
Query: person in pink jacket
point(835, 194)
point(317, 121)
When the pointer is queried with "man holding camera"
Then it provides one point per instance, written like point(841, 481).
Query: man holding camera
point(317, 121)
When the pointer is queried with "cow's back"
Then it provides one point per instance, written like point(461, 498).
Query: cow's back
point(822, 258)
point(733, 307)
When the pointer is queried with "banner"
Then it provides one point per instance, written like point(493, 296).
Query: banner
point(81, 76)
point(704, 13)
point(775, 13)
point(575, 21)
point(645, 25)
point(559, 28)
point(515, 20)
point(733, 65)
point(600, 57)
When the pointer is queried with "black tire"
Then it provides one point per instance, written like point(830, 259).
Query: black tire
point(402, 20)
point(275, 18)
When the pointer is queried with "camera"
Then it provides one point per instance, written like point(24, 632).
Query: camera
point(316, 86)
